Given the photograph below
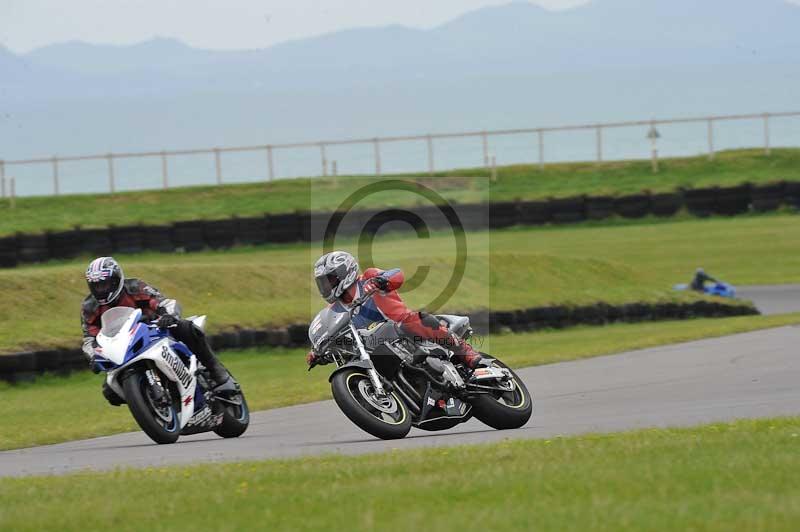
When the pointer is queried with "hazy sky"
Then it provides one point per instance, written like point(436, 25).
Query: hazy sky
point(219, 24)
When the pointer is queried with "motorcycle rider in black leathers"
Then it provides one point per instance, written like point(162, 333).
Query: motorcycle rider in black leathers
point(700, 280)
point(108, 289)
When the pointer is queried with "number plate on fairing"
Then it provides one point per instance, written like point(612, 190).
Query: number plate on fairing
point(482, 374)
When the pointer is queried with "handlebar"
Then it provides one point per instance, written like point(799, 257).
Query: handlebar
point(361, 300)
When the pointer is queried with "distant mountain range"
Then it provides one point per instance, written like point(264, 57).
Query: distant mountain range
point(515, 38)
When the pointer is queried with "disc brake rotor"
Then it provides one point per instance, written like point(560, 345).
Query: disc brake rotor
point(387, 404)
point(163, 412)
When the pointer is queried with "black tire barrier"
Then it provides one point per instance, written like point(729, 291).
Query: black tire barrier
point(767, 198)
point(633, 206)
point(730, 201)
point(480, 321)
point(32, 248)
point(285, 228)
point(8, 252)
point(792, 195)
point(503, 215)
point(294, 227)
point(502, 320)
point(219, 234)
point(568, 210)
point(158, 238)
point(298, 335)
point(251, 231)
point(700, 202)
point(247, 338)
point(393, 220)
point(278, 337)
point(315, 224)
point(24, 366)
point(599, 207)
point(65, 244)
point(356, 221)
point(535, 213)
point(96, 242)
point(127, 239)
point(434, 218)
point(188, 236)
point(473, 217)
point(666, 204)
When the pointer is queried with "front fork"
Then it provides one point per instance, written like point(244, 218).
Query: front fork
point(363, 355)
point(160, 393)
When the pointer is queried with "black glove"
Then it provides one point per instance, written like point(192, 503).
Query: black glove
point(376, 283)
point(313, 360)
point(95, 367)
point(167, 321)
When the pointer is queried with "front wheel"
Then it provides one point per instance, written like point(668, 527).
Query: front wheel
point(383, 417)
point(510, 407)
point(152, 407)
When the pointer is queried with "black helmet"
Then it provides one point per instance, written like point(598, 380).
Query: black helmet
point(334, 273)
point(105, 279)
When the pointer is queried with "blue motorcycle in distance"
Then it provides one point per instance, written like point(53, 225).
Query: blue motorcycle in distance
point(719, 289)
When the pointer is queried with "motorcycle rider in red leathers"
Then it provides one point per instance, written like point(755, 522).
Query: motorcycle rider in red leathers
point(337, 279)
point(108, 289)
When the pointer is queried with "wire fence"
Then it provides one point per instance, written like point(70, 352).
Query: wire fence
point(541, 146)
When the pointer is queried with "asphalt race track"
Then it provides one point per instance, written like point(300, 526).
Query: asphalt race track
point(743, 376)
point(775, 299)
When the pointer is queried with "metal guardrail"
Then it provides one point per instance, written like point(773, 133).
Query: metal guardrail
point(376, 142)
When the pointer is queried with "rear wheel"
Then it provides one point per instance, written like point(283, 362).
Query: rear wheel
point(383, 417)
point(508, 408)
point(152, 406)
point(235, 417)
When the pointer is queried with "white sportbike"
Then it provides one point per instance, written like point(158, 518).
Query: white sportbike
point(165, 387)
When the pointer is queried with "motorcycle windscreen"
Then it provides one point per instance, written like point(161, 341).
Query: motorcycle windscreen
point(113, 319)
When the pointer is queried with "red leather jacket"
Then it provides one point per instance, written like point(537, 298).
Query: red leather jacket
point(135, 294)
point(388, 305)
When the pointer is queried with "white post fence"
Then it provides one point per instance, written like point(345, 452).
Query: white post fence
point(12, 192)
point(324, 159)
point(710, 139)
point(55, 176)
point(218, 165)
point(540, 134)
point(164, 173)
point(599, 134)
point(431, 169)
point(270, 163)
point(430, 140)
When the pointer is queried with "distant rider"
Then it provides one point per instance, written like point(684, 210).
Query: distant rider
point(108, 289)
point(700, 280)
point(337, 278)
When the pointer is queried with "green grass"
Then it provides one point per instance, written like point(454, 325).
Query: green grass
point(75, 408)
point(33, 215)
point(725, 476)
point(505, 270)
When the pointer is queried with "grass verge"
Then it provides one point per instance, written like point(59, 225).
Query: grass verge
point(509, 269)
point(75, 408)
point(37, 214)
point(732, 476)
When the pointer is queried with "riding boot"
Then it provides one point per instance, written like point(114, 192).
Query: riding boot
point(222, 379)
point(195, 339)
point(465, 354)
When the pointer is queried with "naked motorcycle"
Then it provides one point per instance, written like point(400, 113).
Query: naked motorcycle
point(386, 382)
